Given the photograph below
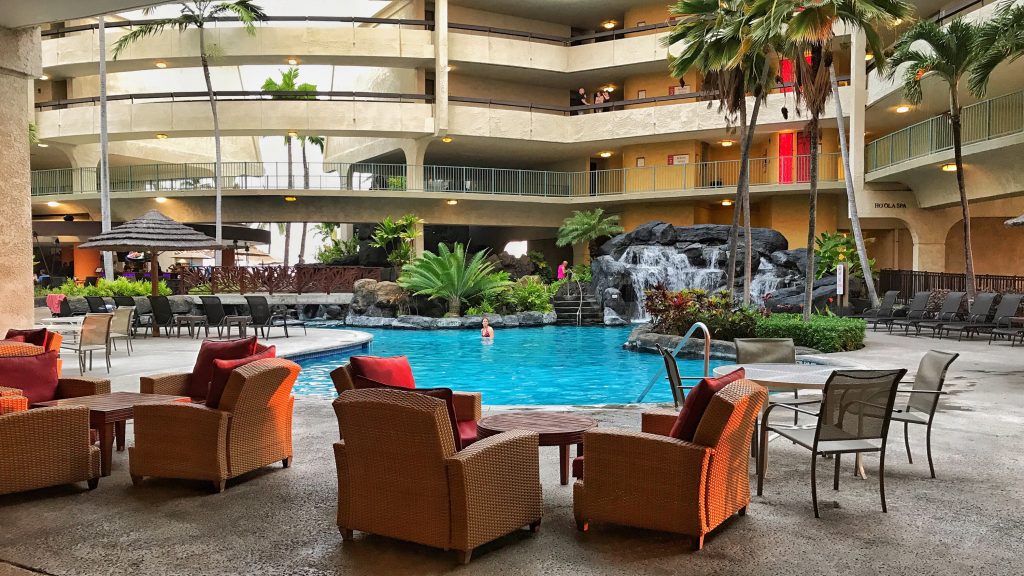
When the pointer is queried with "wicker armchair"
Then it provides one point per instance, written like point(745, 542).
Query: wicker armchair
point(47, 447)
point(174, 383)
point(399, 474)
point(251, 429)
point(649, 480)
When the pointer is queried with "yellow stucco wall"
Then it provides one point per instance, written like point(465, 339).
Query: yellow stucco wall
point(997, 249)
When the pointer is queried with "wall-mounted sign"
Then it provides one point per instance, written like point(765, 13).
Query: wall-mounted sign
point(676, 159)
point(890, 205)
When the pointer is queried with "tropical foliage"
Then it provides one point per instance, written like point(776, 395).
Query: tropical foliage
point(529, 294)
point(118, 287)
point(448, 275)
point(824, 333)
point(335, 250)
point(587, 227)
point(397, 237)
point(832, 249)
point(674, 313)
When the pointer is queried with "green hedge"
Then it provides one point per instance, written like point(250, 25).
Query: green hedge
point(119, 287)
point(823, 333)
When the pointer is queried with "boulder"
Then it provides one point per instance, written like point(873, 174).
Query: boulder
point(795, 260)
point(550, 317)
point(448, 323)
point(412, 322)
point(364, 295)
point(510, 320)
point(180, 304)
point(389, 294)
point(332, 311)
point(517, 267)
point(609, 273)
point(792, 299)
point(612, 318)
point(368, 321)
point(78, 305)
point(615, 246)
point(612, 299)
point(472, 321)
point(372, 256)
point(531, 318)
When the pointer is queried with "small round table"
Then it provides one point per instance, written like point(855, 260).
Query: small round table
point(554, 428)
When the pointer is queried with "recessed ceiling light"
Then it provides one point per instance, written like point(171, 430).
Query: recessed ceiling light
point(53, 203)
point(605, 154)
point(902, 109)
point(869, 57)
point(608, 24)
point(290, 198)
point(44, 77)
point(292, 61)
point(161, 64)
point(452, 202)
point(949, 167)
point(726, 143)
point(161, 136)
point(608, 88)
point(726, 202)
point(449, 68)
point(293, 134)
point(447, 139)
point(160, 199)
point(43, 145)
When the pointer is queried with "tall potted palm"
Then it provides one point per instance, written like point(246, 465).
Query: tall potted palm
point(196, 14)
point(946, 53)
point(587, 227)
point(803, 32)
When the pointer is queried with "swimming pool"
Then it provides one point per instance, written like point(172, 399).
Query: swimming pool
point(550, 365)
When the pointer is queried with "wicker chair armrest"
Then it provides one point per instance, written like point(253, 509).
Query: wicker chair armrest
point(171, 384)
point(77, 387)
point(494, 487)
point(5, 391)
point(467, 406)
point(658, 422)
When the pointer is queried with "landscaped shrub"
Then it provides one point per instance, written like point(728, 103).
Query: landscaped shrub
point(823, 333)
point(118, 287)
point(449, 275)
point(674, 313)
point(527, 295)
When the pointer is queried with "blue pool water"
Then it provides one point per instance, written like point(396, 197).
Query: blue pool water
point(549, 365)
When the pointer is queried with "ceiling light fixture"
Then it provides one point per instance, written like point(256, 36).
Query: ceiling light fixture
point(449, 68)
point(452, 202)
point(608, 24)
point(608, 88)
point(161, 64)
point(160, 199)
point(43, 145)
point(605, 154)
point(869, 57)
point(902, 109)
point(53, 203)
point(292, 61)
point(290, 198)
point(726, 202)
point(447, 139)
point(726, 143)
point(293, 134)
point(161, 136)
point(949, 167)
point(44, 77)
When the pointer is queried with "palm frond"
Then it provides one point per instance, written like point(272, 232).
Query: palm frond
point(246, 11)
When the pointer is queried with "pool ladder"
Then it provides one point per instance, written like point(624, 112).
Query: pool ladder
point(707, 362)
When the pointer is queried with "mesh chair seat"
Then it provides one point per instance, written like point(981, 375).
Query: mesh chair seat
point(805, 438)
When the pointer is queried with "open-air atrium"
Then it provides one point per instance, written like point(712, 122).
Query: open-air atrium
point(511, 287)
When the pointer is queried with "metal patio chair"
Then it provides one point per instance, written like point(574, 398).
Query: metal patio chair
point(94, 336)
point(976, 314)
point(263, 318)
point(948, 313)
point(924, 398)
point(918, 310)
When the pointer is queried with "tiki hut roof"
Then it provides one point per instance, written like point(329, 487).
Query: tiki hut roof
point(152, 232)
point(1015, 222)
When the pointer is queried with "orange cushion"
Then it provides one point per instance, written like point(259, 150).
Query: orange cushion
point(35, 376)
point(222, 370)
point(392, 370)
point(202, 372)
point(697, 402)
point(10, 404)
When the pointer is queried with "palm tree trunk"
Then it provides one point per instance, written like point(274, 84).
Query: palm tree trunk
point(108, 258)
point(454, 306)
point(302, 243)
point(287, 241)
point(291, 174)
point(954, 111)
point(745, 183)
point(851, 197)
point(812, 214)
point(737, 207)
point(305, 185)
point(219, 235)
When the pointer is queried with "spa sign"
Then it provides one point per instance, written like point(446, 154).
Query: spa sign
point(891, 205)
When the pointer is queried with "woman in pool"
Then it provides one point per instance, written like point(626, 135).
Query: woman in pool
point(486, 331)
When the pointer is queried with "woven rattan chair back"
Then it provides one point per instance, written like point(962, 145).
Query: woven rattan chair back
point(122, 321)
point(931, 376)
point(95, 329)
point(214, 309)
point(672, 370)
point(162, 313)
point(97, 304)
point(765, 350)
point(857, 404)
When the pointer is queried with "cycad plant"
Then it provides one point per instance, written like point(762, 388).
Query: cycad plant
point(196, 14)
point(803, 33)
point(449, 276)
point(711, 35)
point(587, 227)
point(947, 53)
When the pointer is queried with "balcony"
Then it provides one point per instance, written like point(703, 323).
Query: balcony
point(246, 178)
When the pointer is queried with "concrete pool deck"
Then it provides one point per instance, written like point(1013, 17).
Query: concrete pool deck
point(281, 521)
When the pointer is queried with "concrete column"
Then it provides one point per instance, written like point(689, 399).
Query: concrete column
point(440, 67)
point(85, 159)
point(930, 256)
point(415, 153)
point(858, 110)
point(417, 244)
point(20, 62)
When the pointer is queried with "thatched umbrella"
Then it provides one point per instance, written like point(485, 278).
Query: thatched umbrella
point(152, 232)
point(1015, 222)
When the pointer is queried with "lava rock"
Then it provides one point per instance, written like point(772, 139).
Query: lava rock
point(333, 311)
point(531, 318)
point(180, 304)
point(472, 321)
point(609, 273)
point(373, 256)
point(612, 300)
point(414, 322)
point(550, 318)
point(791, 260)
point(368, 321)
point(510, 320)
point(615, 246)
point(612, 318)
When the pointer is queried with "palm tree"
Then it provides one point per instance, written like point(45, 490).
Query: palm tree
point(948, 53)
point(319, 142)
point(803, 33)
point(449, 276)
point(195, 14)
point(289, 86)
point(712, 36)
point(1003, 35)
point(285, 229)
point(587, 227)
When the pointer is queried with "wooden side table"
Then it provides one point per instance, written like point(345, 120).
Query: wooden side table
point(554, 428)
point(109, 410)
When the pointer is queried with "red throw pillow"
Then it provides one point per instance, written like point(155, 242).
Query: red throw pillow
point(697, 402)
point(222, 370)
point(35, 376)
point(202, 372)
point(32, 336)
point(393, 370)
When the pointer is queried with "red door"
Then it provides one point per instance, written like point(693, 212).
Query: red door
point(786, 158)
point(788, 74)
point(803, 163)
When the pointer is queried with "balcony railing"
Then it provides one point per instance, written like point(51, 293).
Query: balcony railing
point(981, 121)
point(186, 179)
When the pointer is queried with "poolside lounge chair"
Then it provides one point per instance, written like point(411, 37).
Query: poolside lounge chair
point(263, 318)
point(651, 480)
point(924, 398)
point(948, 313)
point(97, 304)
point(1007, 308)
point(124, 301)
point(675, 383)
point(853, 417)
point(1005, 322)
point(977, 314)
point(250, 428)
point(217, 318)
point(884, 309)
point(918, 310)
point(400, 476)
point(161, 317)
point(47, 447)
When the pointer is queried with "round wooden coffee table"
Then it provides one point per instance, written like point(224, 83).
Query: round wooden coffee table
point(555, 429)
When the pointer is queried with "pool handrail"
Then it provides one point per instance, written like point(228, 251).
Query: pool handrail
point(686, 338)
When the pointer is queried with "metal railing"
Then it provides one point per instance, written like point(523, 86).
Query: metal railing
point(192, 178)
point(909, 282)
point(981, 121)
point(236, 95)
point(677, 394)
